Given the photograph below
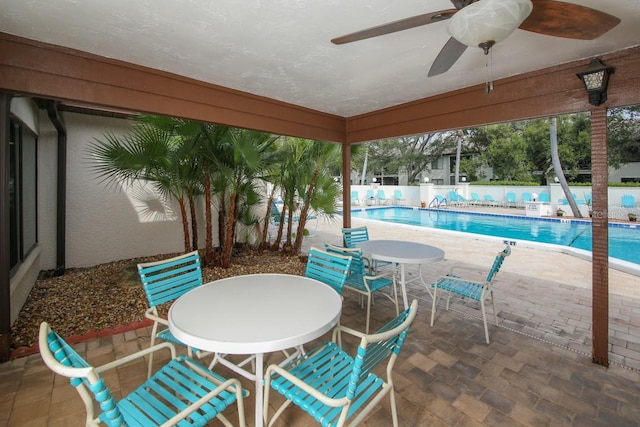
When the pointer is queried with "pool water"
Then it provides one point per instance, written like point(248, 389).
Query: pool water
point(624, 239)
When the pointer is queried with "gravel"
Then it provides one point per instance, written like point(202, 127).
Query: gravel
point(105, 296)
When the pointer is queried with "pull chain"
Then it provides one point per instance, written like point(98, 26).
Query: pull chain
point(488, 82)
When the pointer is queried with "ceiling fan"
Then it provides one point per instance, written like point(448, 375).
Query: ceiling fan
point(548, 17)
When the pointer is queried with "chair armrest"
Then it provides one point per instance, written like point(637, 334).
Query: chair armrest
point(472, 273)
point(461, 279)
point(304, 386)
point(151, 314)
point(387, 274)
point(340, 328)
point(137, 355)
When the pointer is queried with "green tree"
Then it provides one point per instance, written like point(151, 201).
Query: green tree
point(623, 127)
point(506, 154)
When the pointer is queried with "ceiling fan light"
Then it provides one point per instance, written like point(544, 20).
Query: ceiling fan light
point(488, 20)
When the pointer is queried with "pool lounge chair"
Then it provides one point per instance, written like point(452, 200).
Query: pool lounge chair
point(512, 202)
point(490, 201)
point(475, 199)
point(544, 197)
point(382, 198)
point(526, 197)
point(398, 197)
point(370, 198)
point(355, 198)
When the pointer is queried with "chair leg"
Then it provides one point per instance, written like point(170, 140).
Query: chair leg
point(433, 303)
point(484, 320)
point(394, 410)
point(495, 313)
point(368, 313)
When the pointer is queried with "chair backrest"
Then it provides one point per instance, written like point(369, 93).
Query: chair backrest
point(628, 201)
point(383, 344)
point(453, 196)
point(351, 236)
point(544, 197)
point(329, 268)
point(511, 197)
point(381, 195)
point(354, 196)
point(358, 267)
point(526, 197)
point(166, 280)
point(370, 194)
point(62, 359)
point(497, 263)
point(489, 198)
point(397, 194)
point(475, 197)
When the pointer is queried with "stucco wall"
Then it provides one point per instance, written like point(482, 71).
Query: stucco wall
point(104, 222)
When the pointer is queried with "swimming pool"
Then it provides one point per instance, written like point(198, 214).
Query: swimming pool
point(624, 239)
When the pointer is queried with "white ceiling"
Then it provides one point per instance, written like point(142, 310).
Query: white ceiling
point(281, 49)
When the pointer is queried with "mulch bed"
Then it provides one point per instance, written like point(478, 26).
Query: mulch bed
point(84, 303)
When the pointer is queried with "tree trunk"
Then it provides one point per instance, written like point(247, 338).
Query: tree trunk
point(297, 245)
point(265, 228)
point(208, 246)
point(227, 247)
point(194, 222)
point(185, 225)
point(555, 159)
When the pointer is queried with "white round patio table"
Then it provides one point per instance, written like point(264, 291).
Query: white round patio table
point(254, 314)
point(402, 252)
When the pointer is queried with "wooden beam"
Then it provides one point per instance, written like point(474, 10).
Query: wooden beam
point(47, 71)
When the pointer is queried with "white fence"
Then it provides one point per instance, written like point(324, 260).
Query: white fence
point(414, 195)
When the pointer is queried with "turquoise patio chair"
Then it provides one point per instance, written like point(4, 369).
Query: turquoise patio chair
point(164, 282)
point(181, 392)
point(474, 288)
point(512, 202)
point(475, 199)
point(333, 386)
point(352, 236)
point(363, 283)
point(544, 197)
point(329, 268)
point(526, 197)
point(628, 201)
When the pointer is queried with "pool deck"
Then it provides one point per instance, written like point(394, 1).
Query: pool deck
point(540, 292)
point(537, 371)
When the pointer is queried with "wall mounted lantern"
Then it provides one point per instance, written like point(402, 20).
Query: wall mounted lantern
point(596, 79)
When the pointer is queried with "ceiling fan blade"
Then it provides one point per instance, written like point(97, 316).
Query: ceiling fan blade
point(568, 20)
point(395, 26)
point(448, 56)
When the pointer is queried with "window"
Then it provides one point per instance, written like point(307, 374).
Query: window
point(23, 234)
point(436, 164)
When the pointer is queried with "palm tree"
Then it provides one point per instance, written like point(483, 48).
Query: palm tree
point(238, 169)
point(321, 158)
point(211, 140)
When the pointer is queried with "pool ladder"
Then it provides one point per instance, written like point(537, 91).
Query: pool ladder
point(437, 202)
